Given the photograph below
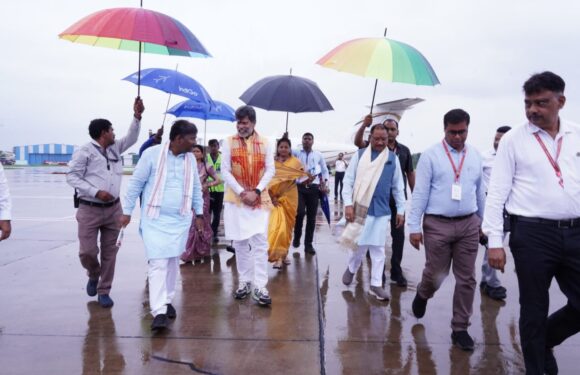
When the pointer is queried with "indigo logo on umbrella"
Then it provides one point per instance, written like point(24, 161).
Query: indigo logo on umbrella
point(188, 91)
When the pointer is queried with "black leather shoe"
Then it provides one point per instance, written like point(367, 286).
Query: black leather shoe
point(550, 364)
point(296, 244)
point(171, 313)
point(159, 323)
point(308, 249)
point(498, 293)
point(419, 306)
point(92, 287)
point(399, 281)
point(462, 340)
point(230, 249)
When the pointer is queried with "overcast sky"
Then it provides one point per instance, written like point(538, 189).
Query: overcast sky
point(481, 51)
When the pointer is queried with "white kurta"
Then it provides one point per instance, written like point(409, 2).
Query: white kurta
point(242, 222)
point(165, 236)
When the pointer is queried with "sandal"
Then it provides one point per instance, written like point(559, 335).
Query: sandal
point(277, 264)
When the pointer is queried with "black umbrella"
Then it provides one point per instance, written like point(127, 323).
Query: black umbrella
point(286, 93)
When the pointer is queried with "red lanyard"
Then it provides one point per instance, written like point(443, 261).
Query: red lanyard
point(551, 159)
point(456, 171)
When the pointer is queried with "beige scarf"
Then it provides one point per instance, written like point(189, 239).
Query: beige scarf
point(154, 204)
point(367, 177)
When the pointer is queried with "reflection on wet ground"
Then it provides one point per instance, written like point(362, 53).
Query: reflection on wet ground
point(316, 325)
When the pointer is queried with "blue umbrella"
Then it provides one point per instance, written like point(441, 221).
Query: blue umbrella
point(190, 108)
point(324, 205)
point(286, 93)
point(216, 111)
point(172, 82)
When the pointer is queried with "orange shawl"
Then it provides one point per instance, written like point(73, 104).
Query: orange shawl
point(248, 163)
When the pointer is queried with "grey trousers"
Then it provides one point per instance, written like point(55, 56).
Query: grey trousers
point(91, 222)
point(451, 242)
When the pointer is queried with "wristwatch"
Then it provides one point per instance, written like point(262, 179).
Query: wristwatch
point(199, 216)
point(258, 191)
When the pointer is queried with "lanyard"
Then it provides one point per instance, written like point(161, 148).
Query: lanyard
point(456, 171)
point(551, 159)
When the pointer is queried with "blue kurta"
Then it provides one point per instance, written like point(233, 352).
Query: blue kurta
point(165, 236)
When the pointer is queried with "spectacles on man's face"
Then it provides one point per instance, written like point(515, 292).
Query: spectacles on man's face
point(455, 133)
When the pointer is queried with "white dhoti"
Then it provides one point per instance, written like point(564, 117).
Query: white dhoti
point(248, 229)
point(162, 275)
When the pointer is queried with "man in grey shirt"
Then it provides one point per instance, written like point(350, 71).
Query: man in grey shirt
point(95, 173)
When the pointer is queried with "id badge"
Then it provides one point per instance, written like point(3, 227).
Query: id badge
point(456, 192)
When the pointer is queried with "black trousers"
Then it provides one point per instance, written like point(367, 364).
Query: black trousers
point(307, 205)
point(338, 177)
point(398, 235)
point(542, 252)
point(216, 203)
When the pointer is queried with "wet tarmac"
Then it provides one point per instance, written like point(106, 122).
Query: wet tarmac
point(48, 325)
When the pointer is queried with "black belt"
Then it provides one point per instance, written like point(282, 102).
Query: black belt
point(563, 224)
point(452, 218)
point(97, 204)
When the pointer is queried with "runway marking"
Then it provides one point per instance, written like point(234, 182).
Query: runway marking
point(46, 219)
point(49, 197)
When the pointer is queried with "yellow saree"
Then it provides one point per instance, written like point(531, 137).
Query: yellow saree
point(283, 189)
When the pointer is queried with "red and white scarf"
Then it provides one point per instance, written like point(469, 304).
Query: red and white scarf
point(154, 205)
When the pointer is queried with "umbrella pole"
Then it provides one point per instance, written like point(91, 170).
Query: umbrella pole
point(204, 132)
point(139, 73)
point(376, 82)
point(286, 122)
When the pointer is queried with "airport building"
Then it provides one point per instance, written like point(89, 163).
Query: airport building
point(50, 153)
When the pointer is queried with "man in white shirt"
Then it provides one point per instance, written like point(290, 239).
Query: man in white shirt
point(339, 170)
point(5, 207)
point(309, 190)
point(490, 283)
point(536, 176)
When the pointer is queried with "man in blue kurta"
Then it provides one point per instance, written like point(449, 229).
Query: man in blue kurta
point(167, 177)
point(374, 172)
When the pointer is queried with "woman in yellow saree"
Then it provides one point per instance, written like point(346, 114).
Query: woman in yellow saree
point(284, 195)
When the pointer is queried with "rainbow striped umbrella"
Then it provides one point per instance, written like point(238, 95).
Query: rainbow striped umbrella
point(381, 58)
point(136, 29)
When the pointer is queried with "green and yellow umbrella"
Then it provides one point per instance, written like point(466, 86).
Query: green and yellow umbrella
point(381, 58)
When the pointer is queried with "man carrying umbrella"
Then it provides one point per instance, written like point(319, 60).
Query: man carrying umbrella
point(95, 173)
point(309, 191)
point(372, 176)
point(247, 168)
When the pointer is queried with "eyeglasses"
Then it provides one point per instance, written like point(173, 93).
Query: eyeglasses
point(455, 133)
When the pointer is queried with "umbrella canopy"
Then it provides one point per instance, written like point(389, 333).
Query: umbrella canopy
point(125, 28)
point(172, 82)
point(190, 108)
point(286, 93)
point(381, 58)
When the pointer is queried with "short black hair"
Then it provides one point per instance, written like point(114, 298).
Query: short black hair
point(391, 120)
point(97, 126)
point(378, 126)
point(246, 111)
point(213, 142)
point(307, 134)
point(182, 127)
point(503, 129)
point(283, 139)
point(455, 116)
point(544, 81)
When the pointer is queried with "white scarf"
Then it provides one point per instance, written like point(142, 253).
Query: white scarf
point(368, 174)
point(154, 205)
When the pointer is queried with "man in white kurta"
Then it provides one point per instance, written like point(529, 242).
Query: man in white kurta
point(247, 168)
point(5, 207)
point(167, 177)
point(373, 173)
